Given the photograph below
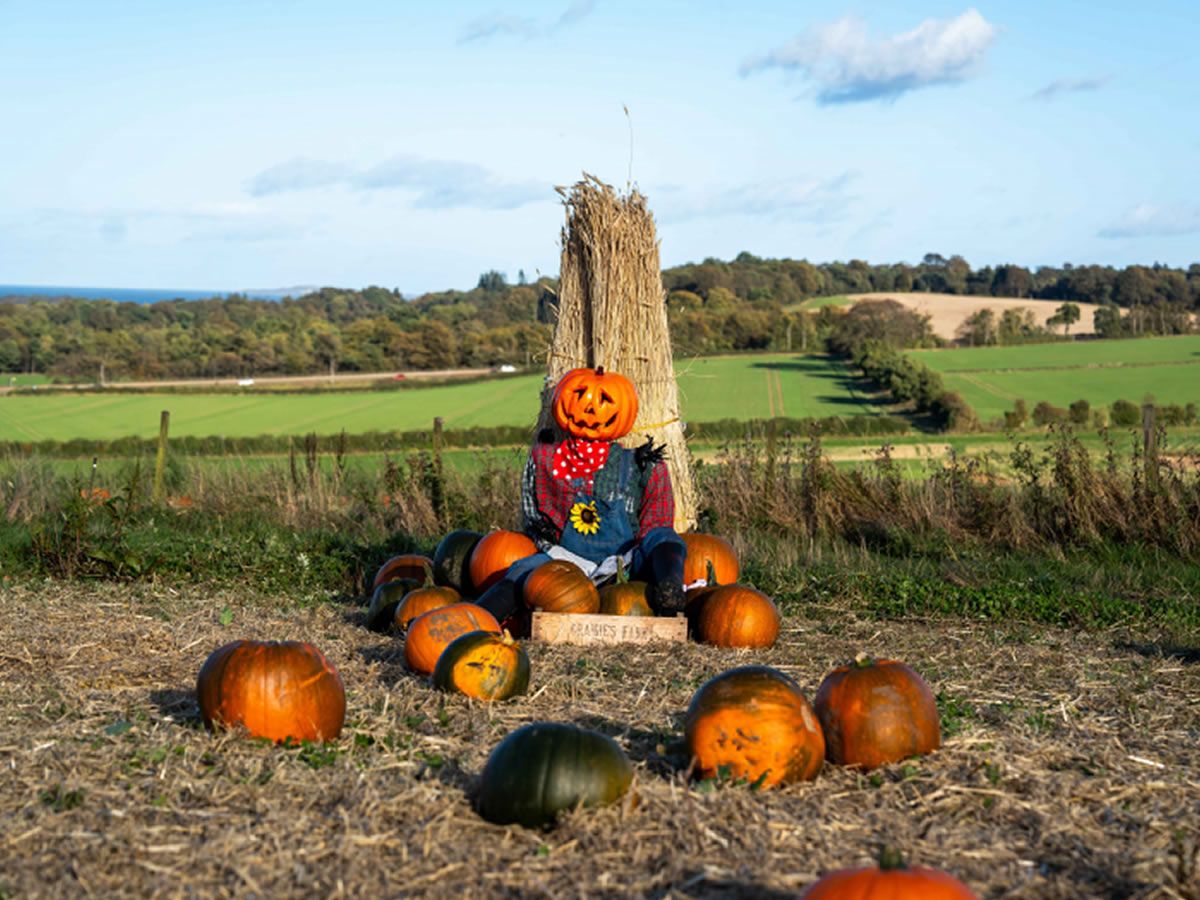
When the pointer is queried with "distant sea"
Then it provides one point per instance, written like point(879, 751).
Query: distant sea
point(136, 295)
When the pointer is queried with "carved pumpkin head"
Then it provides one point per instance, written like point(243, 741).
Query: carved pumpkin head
point(594, 404)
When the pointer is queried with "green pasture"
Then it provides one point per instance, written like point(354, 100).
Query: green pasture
point(814, 303)
point(10, 380)
point(711, 388)
point(1150, 351)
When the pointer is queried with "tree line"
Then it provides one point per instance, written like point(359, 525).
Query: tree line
point(714, 306)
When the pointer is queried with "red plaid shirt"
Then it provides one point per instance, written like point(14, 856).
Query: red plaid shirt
point(544, 496)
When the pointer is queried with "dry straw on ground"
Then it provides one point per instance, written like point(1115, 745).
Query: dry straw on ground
point(1069, 769)
point(612, 313)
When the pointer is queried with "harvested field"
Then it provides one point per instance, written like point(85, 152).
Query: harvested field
point(947, 311)
point(1070, 767)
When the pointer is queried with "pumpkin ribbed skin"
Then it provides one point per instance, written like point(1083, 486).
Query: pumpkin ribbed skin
point(755, 723)
point(422, 600)
point(703, 549)
point(483, 665)
point(452, 560)
point(890, 883)
point(432, 632)
point(625, 599)
point(876, 712)
point(561, 587)
point(386, 600)
point(493, 555)
point(546, 768)
point(407, 565)
point(734, 615)
point(276, 690)
point(594, 404)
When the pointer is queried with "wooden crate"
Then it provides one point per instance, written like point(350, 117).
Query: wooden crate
point(568, 628)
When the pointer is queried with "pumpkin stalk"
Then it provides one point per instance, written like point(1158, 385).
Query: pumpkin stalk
point(710, 576)
point(863, 660)
point(622, 575)
point(890, 859)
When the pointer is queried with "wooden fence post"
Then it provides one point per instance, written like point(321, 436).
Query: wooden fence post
point(160, 462)
point(438, 491)
point(1149, 446)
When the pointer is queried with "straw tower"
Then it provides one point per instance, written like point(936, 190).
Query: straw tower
point(612, 313)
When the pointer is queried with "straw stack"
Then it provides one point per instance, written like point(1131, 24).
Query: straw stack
point(612, 313)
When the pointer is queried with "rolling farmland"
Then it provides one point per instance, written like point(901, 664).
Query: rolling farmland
point(731, 387)
point(992, 378)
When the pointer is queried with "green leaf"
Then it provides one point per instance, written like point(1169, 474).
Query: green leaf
point(226, 617)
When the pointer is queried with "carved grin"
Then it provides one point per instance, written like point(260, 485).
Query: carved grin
point(582, 425)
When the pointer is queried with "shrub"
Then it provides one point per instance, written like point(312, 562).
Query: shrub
point(1046, 413)
point(1080, 412)
point(1124, 414)
point(1017, 416)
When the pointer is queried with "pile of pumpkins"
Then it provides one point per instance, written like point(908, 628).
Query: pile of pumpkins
point(751, 724)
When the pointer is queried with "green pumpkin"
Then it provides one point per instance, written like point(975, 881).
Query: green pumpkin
point(547, 768)
point(382, 611)
point(451, 560)
point(483, 665)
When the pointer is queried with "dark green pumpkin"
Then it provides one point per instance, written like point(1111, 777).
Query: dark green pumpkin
point(547, 768)
point(451, 560)
point(483, 665)
point(382, 611)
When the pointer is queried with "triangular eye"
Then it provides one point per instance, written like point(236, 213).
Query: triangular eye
point(580, 391)
point(604, 398)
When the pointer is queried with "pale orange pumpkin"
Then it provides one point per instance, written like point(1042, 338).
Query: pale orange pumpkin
point(754, 723)
point(734, 615)
point(595, 404)
point(432, 632)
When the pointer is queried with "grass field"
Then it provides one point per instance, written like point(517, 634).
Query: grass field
point(992, 378)
point(735, 387)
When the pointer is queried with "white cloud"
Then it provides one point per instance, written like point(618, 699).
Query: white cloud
point(501, 24)
point(435, 183)
point(1068, 86)
point(848, 65)
point(1148, 220)
point(819, 201)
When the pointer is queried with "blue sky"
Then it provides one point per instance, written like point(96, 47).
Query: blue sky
point(270, 143)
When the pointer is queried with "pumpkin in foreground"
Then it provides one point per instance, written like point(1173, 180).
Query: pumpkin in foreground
point(876, 712)
point(452, 559)
point(494, 553)
point(734, 615)
point(406, 565)
point(890, 880)
point(709, 557)
point(754, 723)
point(275, 690)
point(546, 768)
point(561, 587)
point(483, 665)
point(432, 632)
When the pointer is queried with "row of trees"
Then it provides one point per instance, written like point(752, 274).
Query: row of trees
point(714, 306)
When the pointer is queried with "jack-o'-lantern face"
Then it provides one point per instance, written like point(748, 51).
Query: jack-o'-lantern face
point(594, 404)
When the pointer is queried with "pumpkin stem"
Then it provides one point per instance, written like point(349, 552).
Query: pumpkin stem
point(890, 859)
point(429, 582)
point(710, 575)
point(622, 575)
point(508, 638)
point(863, 660)
point(599, 370)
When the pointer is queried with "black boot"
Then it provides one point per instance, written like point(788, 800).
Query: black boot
point(501, 599)
point(666, 578)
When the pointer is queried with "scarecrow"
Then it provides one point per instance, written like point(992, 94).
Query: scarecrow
point(588, 500)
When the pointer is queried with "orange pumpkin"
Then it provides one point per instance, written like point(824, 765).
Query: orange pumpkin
point(493, 555)
point(422, 600)
point(276, 690)
point(624, 597)
point(877, 712)
point(704, 550)
point(483, 665)
point(754, 723)
point(432, 632)
point(594, 404)
point(890, 880)
point(407, 565)
point(561, 587)
point(734, 615)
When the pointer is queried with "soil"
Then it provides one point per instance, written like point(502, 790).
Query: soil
point(948, 311)
point(1070, 765)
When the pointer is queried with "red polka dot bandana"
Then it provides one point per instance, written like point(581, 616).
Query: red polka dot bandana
point(575, 458)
